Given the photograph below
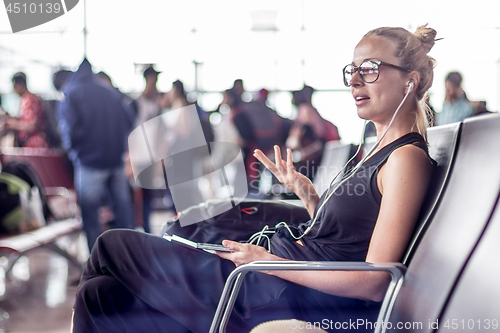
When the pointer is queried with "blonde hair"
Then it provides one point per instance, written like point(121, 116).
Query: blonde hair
point(412, 49)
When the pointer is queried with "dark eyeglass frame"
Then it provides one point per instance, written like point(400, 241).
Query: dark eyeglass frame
point(376, 62)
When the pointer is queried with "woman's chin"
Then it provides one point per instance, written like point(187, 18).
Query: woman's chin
point(362, 114)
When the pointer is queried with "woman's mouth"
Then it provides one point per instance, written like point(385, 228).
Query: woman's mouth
point(361, 99)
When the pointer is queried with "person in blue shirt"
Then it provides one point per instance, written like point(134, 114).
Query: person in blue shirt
point(94, 125)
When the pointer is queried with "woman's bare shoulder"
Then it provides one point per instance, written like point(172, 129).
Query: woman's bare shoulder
point(410, 157)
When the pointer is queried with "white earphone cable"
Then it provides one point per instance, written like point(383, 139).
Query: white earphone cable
point(261, 234)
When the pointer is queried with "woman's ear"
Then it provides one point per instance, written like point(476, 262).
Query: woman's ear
point(413, 82)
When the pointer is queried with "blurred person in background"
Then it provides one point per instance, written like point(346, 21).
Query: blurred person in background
point(285, 124)
point(456, 105)
point(106, 213)
point(94, 126)
point(269, 129)
point(193, 164)
point(245, 133)
point(30, 124)
point(176, 98)
point(257, 126)
point(262, 96)
point(309, 133)
point(308, 114)
point(236, 91)
point(147, 106)
point(238, 88)
point(2, 111)
point(59, 79)
point(6, 136)
point(225, 130)
point(104, 78)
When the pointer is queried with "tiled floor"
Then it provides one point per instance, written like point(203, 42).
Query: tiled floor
point(40, 294)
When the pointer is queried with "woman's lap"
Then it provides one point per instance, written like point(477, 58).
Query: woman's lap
point(148, 280)
point(180, 282)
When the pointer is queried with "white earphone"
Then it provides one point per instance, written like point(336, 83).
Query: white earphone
point(410, 86)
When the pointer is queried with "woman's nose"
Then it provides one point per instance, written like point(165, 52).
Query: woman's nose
point(356, 80)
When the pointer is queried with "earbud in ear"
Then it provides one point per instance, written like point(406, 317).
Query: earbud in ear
point(410, 86)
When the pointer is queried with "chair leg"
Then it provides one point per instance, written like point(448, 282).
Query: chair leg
point(11, 261)
point(65, 254)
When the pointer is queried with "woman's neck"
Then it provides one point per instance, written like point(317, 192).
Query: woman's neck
point(402, 125)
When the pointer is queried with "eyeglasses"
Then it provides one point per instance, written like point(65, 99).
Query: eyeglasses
point(368, 70)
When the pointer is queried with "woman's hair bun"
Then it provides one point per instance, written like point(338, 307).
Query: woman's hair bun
point(426, 36)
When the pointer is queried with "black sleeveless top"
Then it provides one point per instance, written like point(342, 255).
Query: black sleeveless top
point(344, 226)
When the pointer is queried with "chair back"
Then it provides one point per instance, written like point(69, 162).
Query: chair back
point(49, 164)
point(474, 304)
point(456, 227)
point(443, 143)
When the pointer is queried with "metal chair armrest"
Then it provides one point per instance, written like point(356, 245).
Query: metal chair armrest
point(235, 279)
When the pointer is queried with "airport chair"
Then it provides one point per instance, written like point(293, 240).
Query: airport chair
point(474, 302)
point(458, 223)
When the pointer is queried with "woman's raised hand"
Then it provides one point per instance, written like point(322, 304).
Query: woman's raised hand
point(283, 170)
point(287, 175)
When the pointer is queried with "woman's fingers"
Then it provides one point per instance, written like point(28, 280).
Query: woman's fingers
point(289, 160)
point(277, 158)
point(244, 254)
point(235, 246)
point(232, 245)
point(282, 169)
point(264, 160)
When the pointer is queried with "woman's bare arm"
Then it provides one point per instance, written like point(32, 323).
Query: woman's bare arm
point(404, 179)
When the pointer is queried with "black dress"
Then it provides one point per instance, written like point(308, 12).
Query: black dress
point(136, 282)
